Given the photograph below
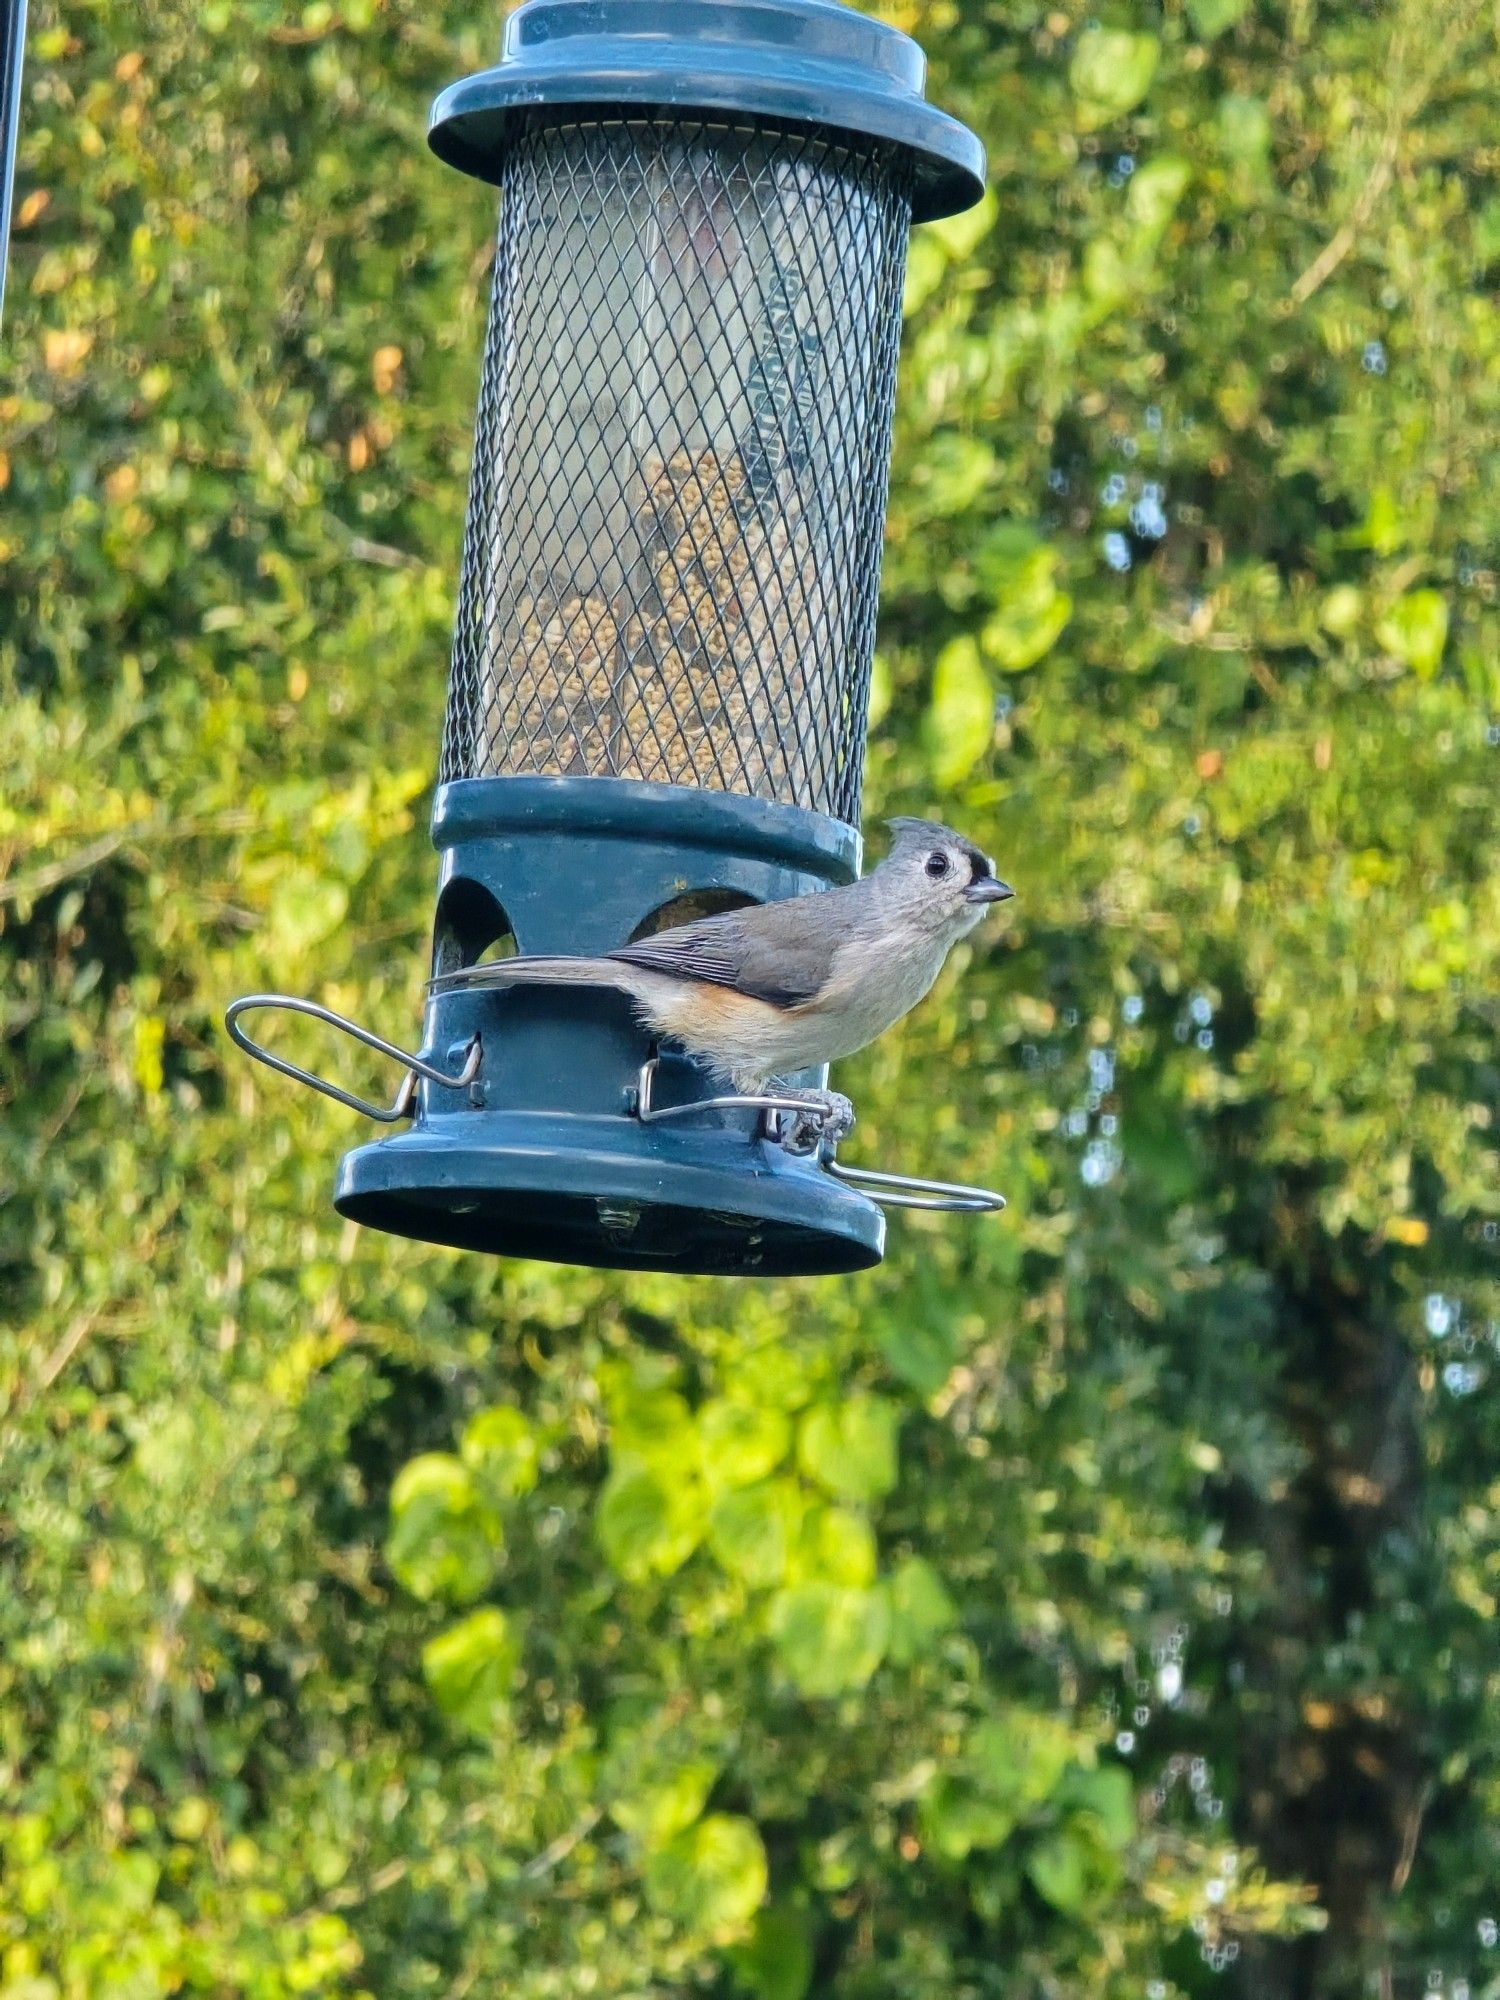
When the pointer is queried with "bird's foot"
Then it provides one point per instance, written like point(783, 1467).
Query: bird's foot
point(822, 1116)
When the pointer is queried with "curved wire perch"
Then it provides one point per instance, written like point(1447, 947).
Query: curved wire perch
point(651, 1113)
point(908, 1191)
point(413, 1065)
point(889, 1190)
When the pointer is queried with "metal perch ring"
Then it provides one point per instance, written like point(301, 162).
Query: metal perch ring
point(413, 1065)
point(889, 1190)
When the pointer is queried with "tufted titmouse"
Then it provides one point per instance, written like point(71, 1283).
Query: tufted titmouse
point(762, 992)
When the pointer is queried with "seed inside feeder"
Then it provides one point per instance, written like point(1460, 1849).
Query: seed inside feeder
point(673, 543)
point(700, 666)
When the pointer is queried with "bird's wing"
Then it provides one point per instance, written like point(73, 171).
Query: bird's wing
point(771, 953)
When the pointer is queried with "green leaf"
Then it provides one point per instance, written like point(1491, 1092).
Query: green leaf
point(1109, 273)
point(1385, 529)
point(1072, 1867)
point(1161, 1145)
point(1341, 610)
point(959, 725)
point(849, 1448)
point(647, 1526)
point(164, 1448)
point(751, 1530)
point(470, 1669)
point(444, 1539)
point(741, 1442)
point(654, 1426)
point(1012, 560)
point(921, 1610)
point(1211, 17)
point(1110, 73)
point(829, 1638)
point(1415, 629)
point(954, 470)
point(1059, 1870)
point(1106, 1797)
point(956, 1818)
point(1026, 631)
point(926, 268)
point(1017, 571)
point(1020, 1756)
point(922, 1352)
point(776, 1960)
point(1487, 232)
point(1243, 126)
point(962, 233)
point(500, 1449)
point(836, 1546)
point(307, 907)
point(657, 1811)
point(1155, 190)
point(711, 1879)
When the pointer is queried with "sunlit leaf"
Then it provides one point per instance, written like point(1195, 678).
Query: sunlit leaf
point(921, 1610)
point(741, 1442)
point(837, 1545)
point(712, 1878)
point(1111, 72)
point(470, 1669)
point(957, 1819)
point(960, 723)
point(647, 1523)
point(828, 1637)
point(776, 1961)
point(751, 1530)
point(1415, 629)
point(1155, 190)
point(1058, 1866)
point(849, 1447)
point(1212, 17)
point(444, 1539)
point(921, 1351)
point(500, 1449)
point(659, 1808)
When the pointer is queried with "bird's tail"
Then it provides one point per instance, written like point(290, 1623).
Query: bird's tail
point(539, 969)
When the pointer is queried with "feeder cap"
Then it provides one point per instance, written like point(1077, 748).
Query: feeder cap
point(798, 63)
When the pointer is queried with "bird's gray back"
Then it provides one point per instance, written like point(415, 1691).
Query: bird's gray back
point(782, 953)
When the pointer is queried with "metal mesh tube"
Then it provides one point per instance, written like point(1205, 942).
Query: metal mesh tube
point(672, 555)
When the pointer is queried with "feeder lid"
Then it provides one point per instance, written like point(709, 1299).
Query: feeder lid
point(792, 62)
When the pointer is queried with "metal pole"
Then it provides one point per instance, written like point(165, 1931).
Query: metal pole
point(12, 50)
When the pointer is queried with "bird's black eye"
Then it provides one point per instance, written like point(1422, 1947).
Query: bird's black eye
point(937, 865)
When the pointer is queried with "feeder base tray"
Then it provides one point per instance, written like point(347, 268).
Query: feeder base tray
point(542, 1186)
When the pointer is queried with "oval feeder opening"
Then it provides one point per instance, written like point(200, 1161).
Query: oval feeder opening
point(666, 614)
point(689, 908)
point(470, 929)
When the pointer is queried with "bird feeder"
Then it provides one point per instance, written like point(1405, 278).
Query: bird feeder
point(666, 612)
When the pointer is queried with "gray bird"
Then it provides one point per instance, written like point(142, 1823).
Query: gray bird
point(760, 993)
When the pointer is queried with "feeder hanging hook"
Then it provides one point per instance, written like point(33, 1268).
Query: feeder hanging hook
point(414, 1065)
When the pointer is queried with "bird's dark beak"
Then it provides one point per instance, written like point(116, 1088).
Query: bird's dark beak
point(988, 889)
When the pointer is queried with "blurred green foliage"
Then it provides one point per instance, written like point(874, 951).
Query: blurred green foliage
point(1099, 1601)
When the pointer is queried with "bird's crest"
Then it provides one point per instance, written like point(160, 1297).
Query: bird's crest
point(906, 828)
point(923, 830)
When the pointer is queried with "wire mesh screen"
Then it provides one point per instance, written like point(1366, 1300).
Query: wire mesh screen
point(672, 555)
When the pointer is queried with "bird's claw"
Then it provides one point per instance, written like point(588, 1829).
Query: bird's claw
point(823, 1117)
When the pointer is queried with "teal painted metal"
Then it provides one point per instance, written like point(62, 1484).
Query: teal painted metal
point(796, 64)
point(541, 1154)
